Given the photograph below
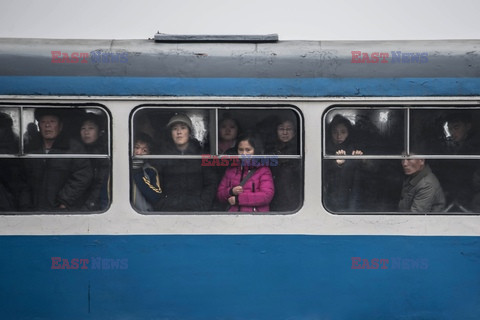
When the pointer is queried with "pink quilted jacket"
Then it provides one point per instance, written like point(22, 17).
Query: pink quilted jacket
point(257, 193)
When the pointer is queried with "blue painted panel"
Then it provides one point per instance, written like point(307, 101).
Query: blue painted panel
point(240, 277)
point(303, 87)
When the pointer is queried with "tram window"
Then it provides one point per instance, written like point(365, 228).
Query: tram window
point(423, 159)
point(190, 158)
point(54, 160)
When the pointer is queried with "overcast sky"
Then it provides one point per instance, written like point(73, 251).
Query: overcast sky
point(292, 19)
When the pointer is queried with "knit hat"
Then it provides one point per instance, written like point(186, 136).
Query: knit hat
point(180, 118)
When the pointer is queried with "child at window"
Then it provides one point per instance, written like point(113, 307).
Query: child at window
point(146, 189)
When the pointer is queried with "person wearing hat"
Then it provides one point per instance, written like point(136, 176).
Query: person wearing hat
point(56, 183)
point(187, 185)
point(180, 127)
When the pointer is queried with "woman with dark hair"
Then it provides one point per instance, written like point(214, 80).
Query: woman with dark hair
point(93, 139)
point(187, 185)
point(248, 187)
point(341, 187)
point(286, 174)
point(228, 130)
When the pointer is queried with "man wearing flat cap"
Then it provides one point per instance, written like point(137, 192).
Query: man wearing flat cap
point(56, 183)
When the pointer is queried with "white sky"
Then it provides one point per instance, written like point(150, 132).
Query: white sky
point(291, 20)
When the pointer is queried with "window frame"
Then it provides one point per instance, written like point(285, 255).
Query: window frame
point(216, 107)
point(407, 137)
point(22, 106)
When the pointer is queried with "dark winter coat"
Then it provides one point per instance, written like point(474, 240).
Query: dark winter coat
point(186, 184)
point(287, 178)
point(101, 171)
point(53, 182)
point(341, 182)
point(13, 187)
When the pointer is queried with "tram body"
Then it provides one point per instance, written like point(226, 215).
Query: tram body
point(307, 263)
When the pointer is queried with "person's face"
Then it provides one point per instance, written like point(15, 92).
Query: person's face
point(459, 130)
point(412, 166)
point(50, 127)
point(141, 148)
point(285, 131)
point(244, 147)
point(180, 134)
point(89, 132)
point(339, 133)
point(228, 130)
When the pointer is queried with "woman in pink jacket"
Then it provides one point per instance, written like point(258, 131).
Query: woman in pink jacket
point(256, 192)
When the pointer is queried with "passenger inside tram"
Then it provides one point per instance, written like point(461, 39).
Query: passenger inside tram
point(421, 190)
point(247, 188)
point(57, 183)
point(188, 186)
point(146, 188)
point(92, 135)
point(286, 173)
point(228, 131)
point(13, 188)
point(342, 177)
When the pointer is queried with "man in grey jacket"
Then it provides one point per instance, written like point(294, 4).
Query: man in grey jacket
point(421, 191)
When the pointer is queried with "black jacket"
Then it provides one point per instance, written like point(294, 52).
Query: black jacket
point(287, 178)
point(186, 184)
point(13, 187)
point(101, 172)
point(53, 182)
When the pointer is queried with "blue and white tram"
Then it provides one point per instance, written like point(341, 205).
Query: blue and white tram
point(318, 258)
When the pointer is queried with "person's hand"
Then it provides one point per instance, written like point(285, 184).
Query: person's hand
point(340, 153)
point(231, 200)
point(237, 190)
point(357, 152)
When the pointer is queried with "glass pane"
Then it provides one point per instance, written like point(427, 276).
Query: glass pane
point(65, 131)
point(9, 131)
point(57, 184)
point(445, 181)
point(369, 131)
point(460, 181)
point(362, 185)
point(158, 122)
point(445, 132)
point(278, 130)
point(288, 179)
point(229, 140)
